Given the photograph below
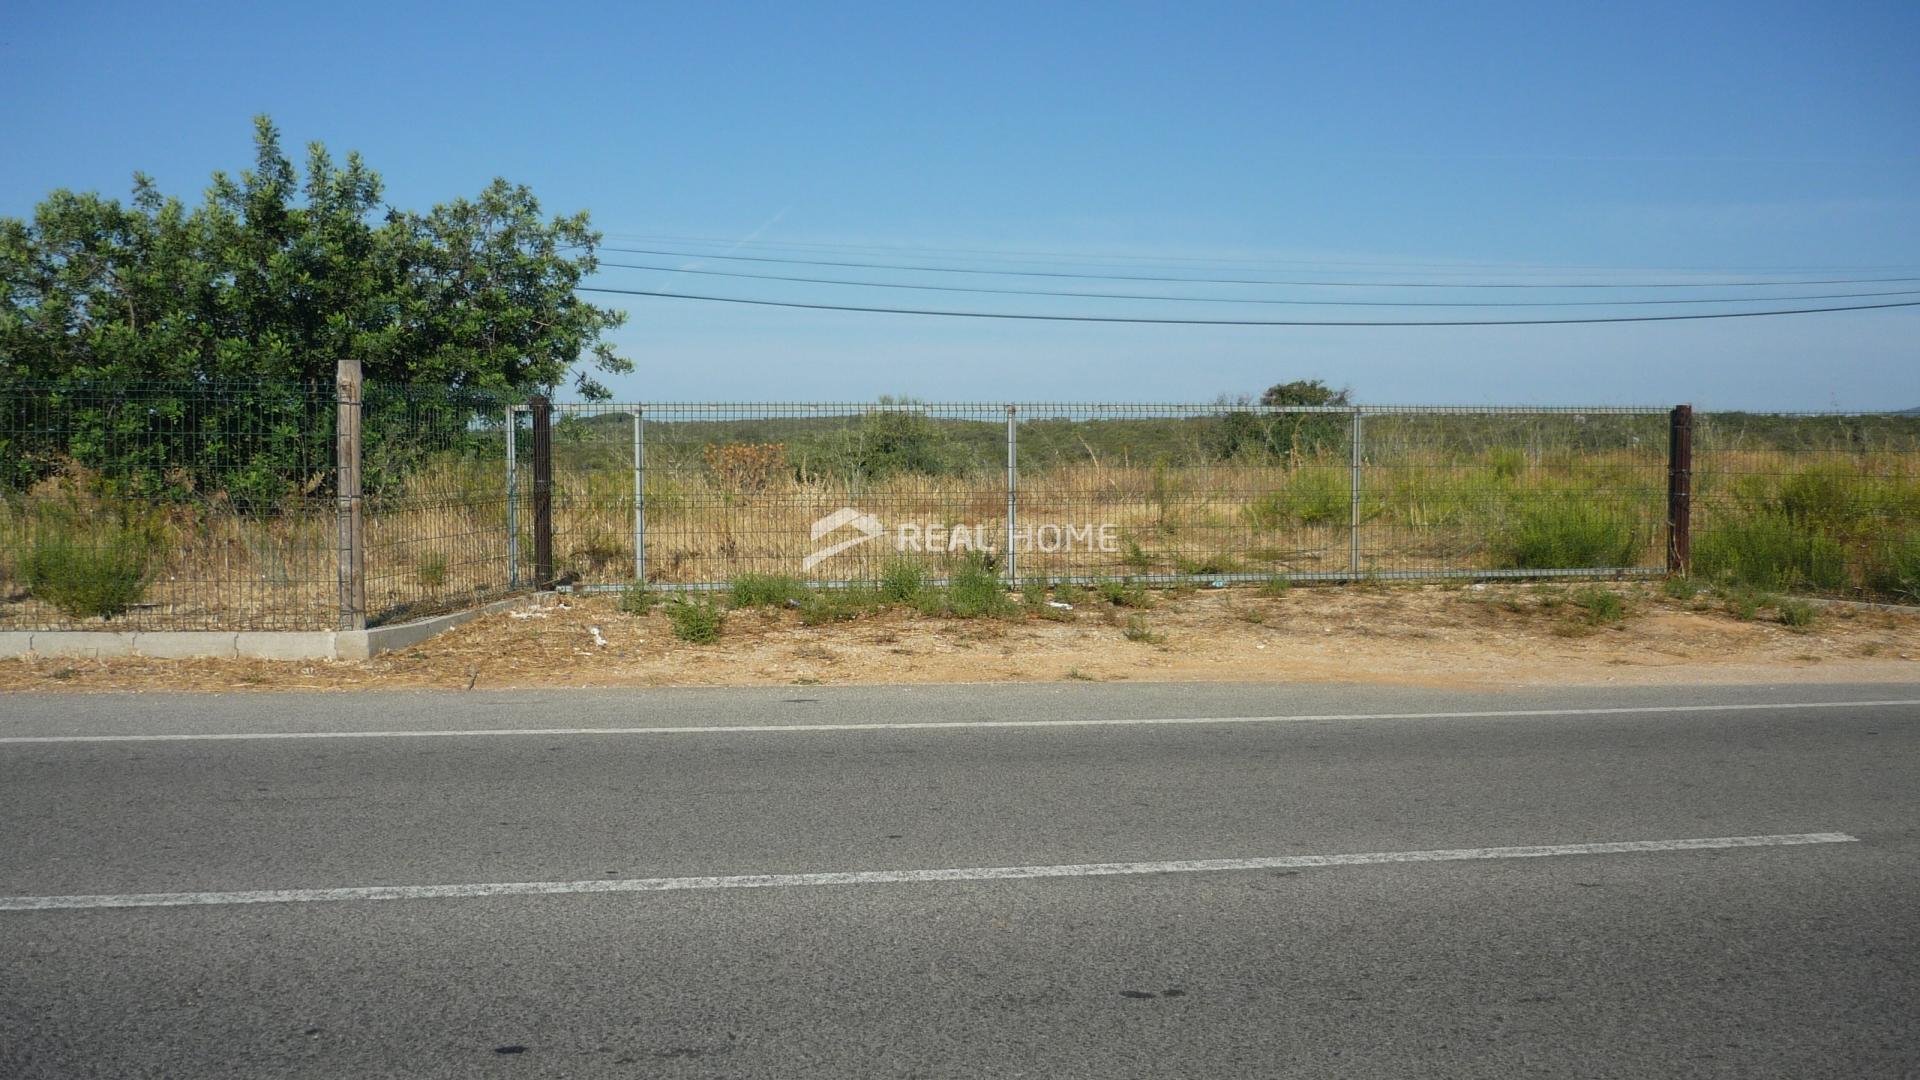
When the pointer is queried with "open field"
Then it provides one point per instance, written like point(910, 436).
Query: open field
point(1464, 636)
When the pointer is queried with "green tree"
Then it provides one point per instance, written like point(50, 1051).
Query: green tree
point(275, 278)
point(1304, 392)
point(221, 311)
point(1267, 430)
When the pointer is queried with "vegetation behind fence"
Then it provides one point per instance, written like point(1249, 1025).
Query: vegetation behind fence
point(192, 506)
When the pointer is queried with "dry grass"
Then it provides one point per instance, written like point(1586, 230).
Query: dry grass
point(1483, 637)
point(439, 541)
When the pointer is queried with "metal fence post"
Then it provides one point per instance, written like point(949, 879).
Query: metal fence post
point(1680, 490)
point(542, 491)
point(513, 497)
point(639, 498)
point(1353, 523)
point(349, 521)
point(1013, 514)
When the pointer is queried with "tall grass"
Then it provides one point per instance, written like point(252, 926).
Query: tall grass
point(1845, 524)
point(1561, 534)
point(1770, 551)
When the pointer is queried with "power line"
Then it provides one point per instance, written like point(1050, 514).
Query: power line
point(1266, 281)
point(1240, 322)
point(1255, 300)
point(1227, 262)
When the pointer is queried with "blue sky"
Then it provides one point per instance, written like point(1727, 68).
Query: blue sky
point(1520, 142)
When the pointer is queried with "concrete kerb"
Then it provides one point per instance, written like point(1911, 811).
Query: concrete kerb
point(363, 644)
point(241, 644)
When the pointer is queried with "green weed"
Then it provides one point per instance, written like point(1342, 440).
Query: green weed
point(696, 621)
point(1122, 593)
point(1602, 607)
point(1770, 551)
point(902, 581)
point(637, 599)
point(1138, 630)
point(1561, 534)
point(824, 606)
point(1680, 588)
point(1797, 614)
point(103, 578)
point(1276, 586)
point(766, 590)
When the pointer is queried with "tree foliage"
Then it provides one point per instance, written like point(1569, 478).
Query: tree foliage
point(1304, 392)
point(1270, 432)
point(174, 351)
point(273, 278)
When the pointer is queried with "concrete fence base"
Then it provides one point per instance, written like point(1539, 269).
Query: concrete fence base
point(238, 644)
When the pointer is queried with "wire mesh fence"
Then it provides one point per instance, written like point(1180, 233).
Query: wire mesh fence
point(175, 507)
point(213, 507)
point(696, 495)
point(1812, 502)
point(434, 463)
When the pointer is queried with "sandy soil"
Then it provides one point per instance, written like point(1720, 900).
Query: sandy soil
point(1481, 636)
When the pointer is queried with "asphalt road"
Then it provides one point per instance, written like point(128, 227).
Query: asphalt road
point(1794, 961)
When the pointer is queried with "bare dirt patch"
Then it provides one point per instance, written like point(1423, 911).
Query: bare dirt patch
point(1480, 636)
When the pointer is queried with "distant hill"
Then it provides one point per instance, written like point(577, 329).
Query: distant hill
point(1908, 412)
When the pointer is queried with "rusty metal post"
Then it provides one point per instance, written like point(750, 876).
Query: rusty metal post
point(1680, 490)
point(348, 515)
point(542, 410)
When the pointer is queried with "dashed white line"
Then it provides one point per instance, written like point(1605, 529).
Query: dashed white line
point(898, 877)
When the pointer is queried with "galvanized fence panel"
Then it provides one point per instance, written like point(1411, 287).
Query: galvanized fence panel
point(832, 493)
point(1809, 502)
point(1524, 492)
point(436, 504)
point(167, 507)
point(1174, 492)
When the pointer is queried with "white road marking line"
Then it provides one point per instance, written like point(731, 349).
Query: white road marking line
point(894, 877)
point(947, 725)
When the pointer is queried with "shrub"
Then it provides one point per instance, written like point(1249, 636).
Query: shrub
point(1275, 586)
point(1138, 630)
point(746, 466)
point(1033, 597)
point(1602, 606)
point(1507, 462)
point(1313, 496)
point(86, 579)
point(1797, 614)
point(1744, 603)
point(902, 581)
point(1897, 572)
point(766, 590)
point(974, 591)
point(637, 599)
point(1821, 497)
point(1680, 588)
point(888, 442)
point(697, 621)
point(1122, 593)
point(1567, 535)
point(1770, 551)
point(838, 605)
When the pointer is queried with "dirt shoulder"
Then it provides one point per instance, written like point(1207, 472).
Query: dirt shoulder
point(1479, 636)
